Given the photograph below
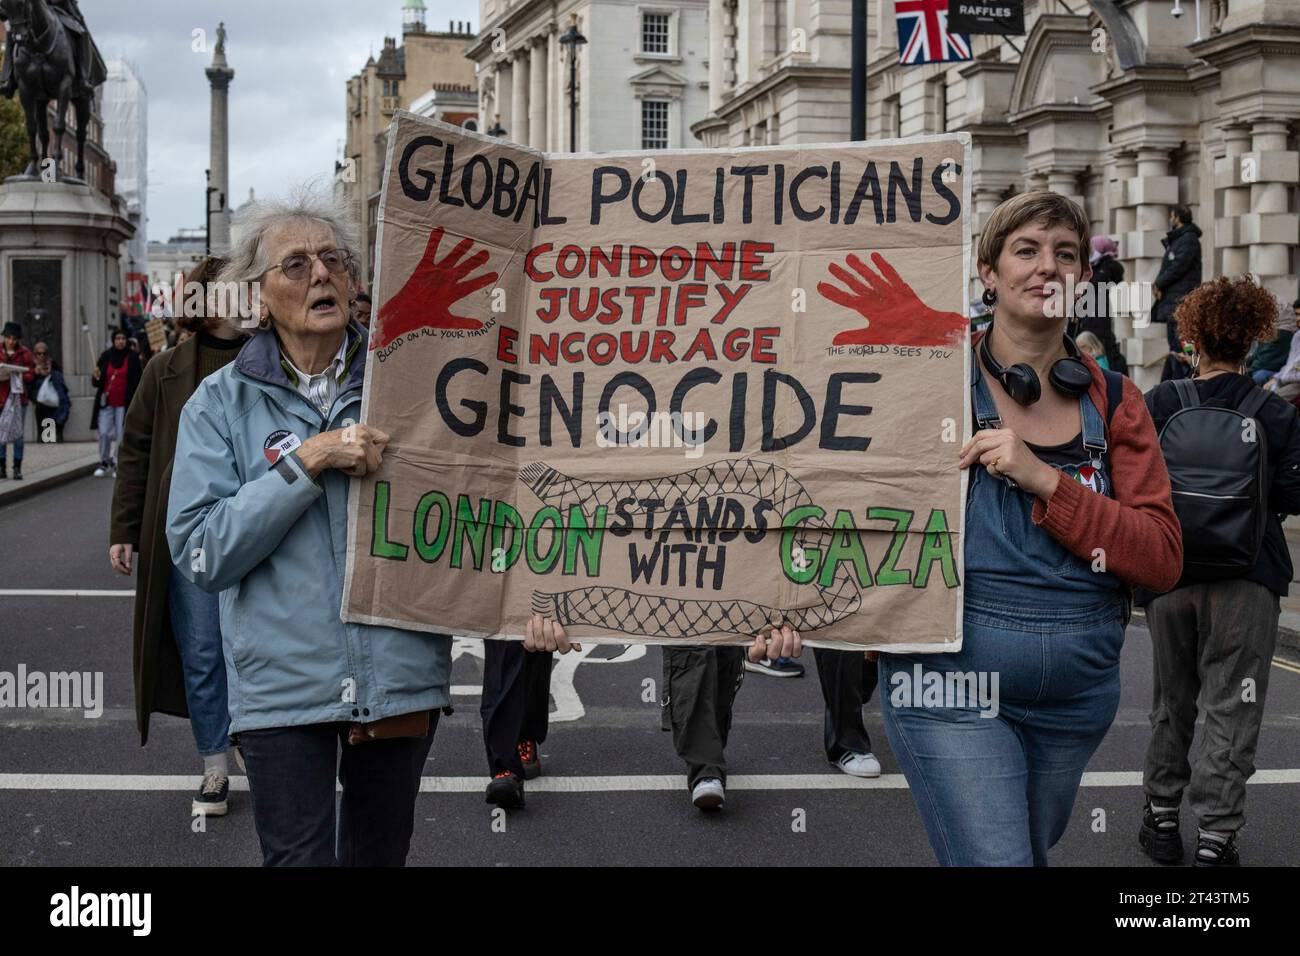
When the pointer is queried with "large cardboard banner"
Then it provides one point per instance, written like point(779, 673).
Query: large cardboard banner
point(668, 396)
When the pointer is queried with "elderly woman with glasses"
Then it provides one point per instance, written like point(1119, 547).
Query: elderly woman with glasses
point(258, 511)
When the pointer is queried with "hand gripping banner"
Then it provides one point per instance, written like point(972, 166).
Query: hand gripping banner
point(668, 396)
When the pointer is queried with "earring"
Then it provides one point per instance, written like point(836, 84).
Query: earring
point(990, 298)
point(264, 323)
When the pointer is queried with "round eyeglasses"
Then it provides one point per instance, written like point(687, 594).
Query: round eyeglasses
point(298, 266)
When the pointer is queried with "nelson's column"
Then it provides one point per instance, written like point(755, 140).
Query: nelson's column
point(219, 76)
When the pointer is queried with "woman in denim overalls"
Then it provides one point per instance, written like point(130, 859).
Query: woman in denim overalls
point(995, 777)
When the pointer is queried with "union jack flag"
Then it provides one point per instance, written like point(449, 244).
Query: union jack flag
point(923, 35)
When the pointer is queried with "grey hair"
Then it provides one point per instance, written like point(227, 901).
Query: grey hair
point(250, 259)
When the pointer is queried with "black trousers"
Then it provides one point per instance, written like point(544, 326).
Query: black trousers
point(700, 685)
point(291, 772)
point(516, 702)
point(848, 680)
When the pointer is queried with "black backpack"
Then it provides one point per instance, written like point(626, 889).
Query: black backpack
point(1219, 477)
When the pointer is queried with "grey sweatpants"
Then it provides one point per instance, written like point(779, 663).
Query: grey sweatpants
point(1213, 645)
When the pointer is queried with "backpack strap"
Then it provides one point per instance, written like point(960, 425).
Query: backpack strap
point(1254, 402)
point(1114, 393)
point(1188, 396)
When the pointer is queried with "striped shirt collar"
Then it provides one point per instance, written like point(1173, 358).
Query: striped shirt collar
point(322, 388)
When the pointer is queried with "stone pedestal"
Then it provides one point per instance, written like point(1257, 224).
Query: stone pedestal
point(66, 241)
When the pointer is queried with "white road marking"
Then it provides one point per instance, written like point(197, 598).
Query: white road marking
point(38, 593)
point(568, 705)
point(574, 784)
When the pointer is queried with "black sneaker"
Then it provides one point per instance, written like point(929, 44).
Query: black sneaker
point(1210, 852)
point(781, 667)
point(529, 758)
point(1159, 836)
point(214, 793)
point(506, 790)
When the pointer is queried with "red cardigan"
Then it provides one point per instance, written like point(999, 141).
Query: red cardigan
point(1137, 530)
point(25, 357)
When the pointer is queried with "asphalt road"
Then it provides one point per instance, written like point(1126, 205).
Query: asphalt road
point(612, 791)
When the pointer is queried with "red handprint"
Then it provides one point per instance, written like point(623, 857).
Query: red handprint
point(895, 314)
point(434, 287)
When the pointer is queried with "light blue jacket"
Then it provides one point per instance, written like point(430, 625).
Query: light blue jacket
point(274, 543)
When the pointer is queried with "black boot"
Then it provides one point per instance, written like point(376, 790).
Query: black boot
point(1159, 835)
point(1210, 852)
point(506, 790)
point(18, 471)
point(3, 476)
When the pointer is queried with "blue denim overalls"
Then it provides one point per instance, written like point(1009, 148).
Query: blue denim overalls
point(995, 779)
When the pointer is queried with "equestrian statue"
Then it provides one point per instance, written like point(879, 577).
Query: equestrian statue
point(50, 57)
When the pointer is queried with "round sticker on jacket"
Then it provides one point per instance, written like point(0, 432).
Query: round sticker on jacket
point(278, 444)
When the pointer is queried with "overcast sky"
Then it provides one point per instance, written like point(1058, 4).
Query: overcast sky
point(291, 60)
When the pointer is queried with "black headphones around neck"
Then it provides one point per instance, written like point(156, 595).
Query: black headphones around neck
point(1069, 375)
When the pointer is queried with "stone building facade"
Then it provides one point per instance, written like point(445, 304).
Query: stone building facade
point(426, 61)
point(1114, 102)
point(642, 77)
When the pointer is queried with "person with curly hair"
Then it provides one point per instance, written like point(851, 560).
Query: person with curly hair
point(1217, 628)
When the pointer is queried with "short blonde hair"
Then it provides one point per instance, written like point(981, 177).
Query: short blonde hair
point(1038, 206)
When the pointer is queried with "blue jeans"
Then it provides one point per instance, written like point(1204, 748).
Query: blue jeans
point(995, 785)
point(1261, 376)
point(998, 790)
point(111, 422)
point(196, 623)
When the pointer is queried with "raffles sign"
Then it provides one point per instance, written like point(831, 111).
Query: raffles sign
point(1001, 17)
point(668, 396)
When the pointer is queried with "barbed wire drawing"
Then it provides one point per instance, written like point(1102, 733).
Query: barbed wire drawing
point(631, 612)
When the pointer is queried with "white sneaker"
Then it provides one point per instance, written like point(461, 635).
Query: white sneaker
point(100, 472)
point(859, 765)
point(708, 794)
